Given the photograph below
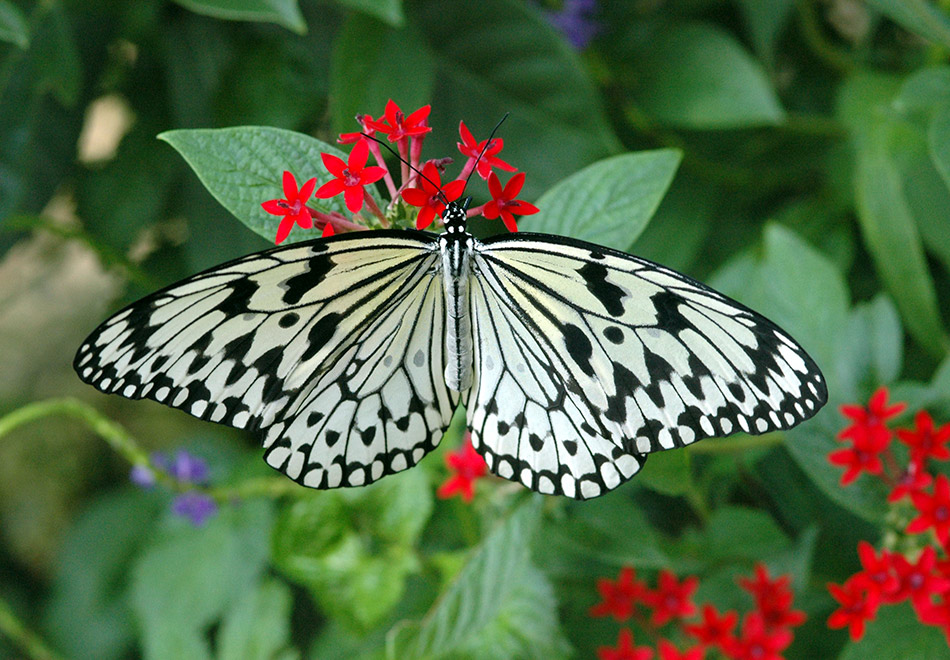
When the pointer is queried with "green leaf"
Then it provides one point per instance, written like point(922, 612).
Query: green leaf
point(499, 56)
point(498, 606)
point(609, 202)
point(388, 11)
point(698, 76)
point(667, 472)
point(355, 549)
point(765, 21)
point(924, 90)
point(88, 615)
point(13, 27)
point(191, 576)
point(871, 353)
point(897, 633)
point(919, 16)
point(371, 64)
point(938, 140)
point(242, 167)
point(281, 12)
point(258, 626)
point(738, 532)
point(56, 57)
point(884, 212)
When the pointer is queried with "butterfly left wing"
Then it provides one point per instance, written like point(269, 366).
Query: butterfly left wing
point(606, 356)
point(325, 347)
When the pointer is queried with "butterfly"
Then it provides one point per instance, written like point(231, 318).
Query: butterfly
point(349, 355)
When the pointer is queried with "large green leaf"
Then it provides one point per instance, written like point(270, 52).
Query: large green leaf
point(896, 632)
point(13, 27)
point(242, 167)
point(609, 202)
point(388, 11)
point(355, 549)
point(734, 532)
point(258, 626)
point(887, 222)
point(921, 17)
point(190, 577)
point(498, 606)
point(282, 12)
point(698, 76)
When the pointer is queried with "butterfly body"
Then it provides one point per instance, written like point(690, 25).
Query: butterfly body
point(349, 356)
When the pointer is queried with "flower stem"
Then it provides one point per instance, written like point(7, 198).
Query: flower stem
point(28, 641)
point(388, 178)
point(737, 444)
point(374, 208)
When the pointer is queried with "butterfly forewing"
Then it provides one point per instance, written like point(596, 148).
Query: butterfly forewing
point(332, 347)
point(647, 358)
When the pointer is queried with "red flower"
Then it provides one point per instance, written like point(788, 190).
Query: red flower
point(862, 456)
point(918, 581)
point(619, 598)
point(924, 441)
point(857, 608)
point(878, 577)
point(715, 629)
point(758, 642)
point(912, 480)
point(432, 196)
point(872, 417)
point(351, 176)
point(669, 652)
point(503, 201)
point(671, 598)
point(469, 147)
point(468, 466)
point(397, 126)
point(293, 207)
point(773, 598)
point(624, 649)
point(366, 122)
point(934, 510)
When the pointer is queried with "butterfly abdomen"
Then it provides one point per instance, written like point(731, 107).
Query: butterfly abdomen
point(457, 252)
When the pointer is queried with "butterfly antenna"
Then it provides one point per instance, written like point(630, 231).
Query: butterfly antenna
point(406, 162)
point(485, 148)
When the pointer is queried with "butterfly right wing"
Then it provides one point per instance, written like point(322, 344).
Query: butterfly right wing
point(316, 345)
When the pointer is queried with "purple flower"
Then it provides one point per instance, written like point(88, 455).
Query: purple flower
point(142, 476)
point(575, 22)
point(189, 469)
point(195, 506)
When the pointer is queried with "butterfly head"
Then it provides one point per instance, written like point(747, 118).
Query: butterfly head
point(454, 216)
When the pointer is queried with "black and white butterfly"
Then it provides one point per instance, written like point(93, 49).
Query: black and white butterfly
point(350, 354)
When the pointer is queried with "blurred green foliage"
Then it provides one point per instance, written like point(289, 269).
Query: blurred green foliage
point(809, 153)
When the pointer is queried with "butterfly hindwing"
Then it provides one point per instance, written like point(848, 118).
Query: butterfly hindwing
point(639, 357)
point(273, 341)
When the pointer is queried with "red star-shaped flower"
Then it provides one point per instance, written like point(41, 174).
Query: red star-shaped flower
point(862, 456)
point(503, 202)
point(934, 510)
point(397, 126)
point(432, 196)
point(857, 607)
point(366, 122)
point(874, 416)
point(469, 147)
point(293, 207)
point(877, 576)
point(912, 480)
point(351, 176)
point(758, 641)
point(918, 581)
point(925, 441)
point(715, 629)
point(672, 598)
point(773, 598)
point(620, 597)
point(468, 466)
point(668, 651)
point(624, 649)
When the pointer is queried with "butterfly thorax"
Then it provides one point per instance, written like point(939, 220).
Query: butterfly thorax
point(457, 246)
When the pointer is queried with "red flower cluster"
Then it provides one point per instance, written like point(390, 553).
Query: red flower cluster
point(892, 577)
point(766, 631)
point(421, 183)
point(468, 467)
